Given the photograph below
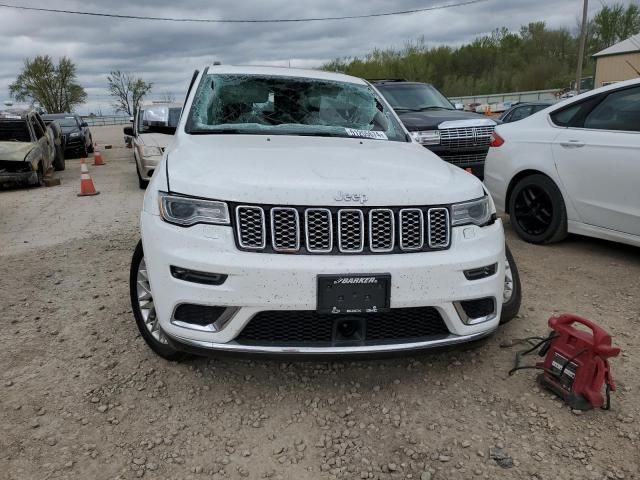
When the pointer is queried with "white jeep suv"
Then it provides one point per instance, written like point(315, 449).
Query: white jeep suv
point(293, 213)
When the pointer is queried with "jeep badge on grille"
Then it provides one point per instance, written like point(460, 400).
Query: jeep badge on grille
point(351, 197)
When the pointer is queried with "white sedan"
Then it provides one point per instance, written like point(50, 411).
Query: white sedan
point(572, 168)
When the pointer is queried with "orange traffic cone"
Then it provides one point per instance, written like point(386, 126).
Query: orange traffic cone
point(86, 184)
point(83, 160)
point(97, 159)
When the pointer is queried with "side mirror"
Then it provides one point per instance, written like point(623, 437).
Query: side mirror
point(84, 124)
point(128, 131)
point(131, 119)
point(459, 106)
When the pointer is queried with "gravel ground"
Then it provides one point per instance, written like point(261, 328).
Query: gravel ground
point(81, 396)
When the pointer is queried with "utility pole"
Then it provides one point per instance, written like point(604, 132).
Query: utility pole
point(583, 40)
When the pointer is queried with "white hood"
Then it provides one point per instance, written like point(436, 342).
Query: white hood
point(297, 170)
point(161, 140)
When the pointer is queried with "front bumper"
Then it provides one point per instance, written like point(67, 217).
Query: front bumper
point(73, 144)
point(260, 282)
point(21, 173)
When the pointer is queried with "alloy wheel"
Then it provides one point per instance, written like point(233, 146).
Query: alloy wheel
point(508, 282)
point(145, 304)
point(533, 210)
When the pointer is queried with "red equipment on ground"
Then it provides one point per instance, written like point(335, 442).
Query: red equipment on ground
point(575, 366)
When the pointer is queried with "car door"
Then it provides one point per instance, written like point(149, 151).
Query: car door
point(597, 157)
point(43, 142)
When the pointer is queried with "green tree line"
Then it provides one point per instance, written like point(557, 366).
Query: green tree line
point(534, 58)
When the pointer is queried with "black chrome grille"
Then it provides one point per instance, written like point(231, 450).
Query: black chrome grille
point(411, 229)
point(308, 327)
point(382, 230)
point(466, 137)
point(272, 229)
point(319, 230)
point(350, 231)
point(464, 159)
point(251, 227)
point(438, 227)
point(285, 229)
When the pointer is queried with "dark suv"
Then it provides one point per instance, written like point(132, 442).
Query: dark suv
point(458, 137)
point(77, 136)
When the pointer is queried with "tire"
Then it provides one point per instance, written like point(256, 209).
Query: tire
point(537, 210)
point(511, 302)
point(59, 163)
point(144, 311)
point(90, 148)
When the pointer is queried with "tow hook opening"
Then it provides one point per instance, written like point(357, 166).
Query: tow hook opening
point(349, 330)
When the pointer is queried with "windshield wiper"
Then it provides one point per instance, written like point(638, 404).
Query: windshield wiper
point(219, 131)
point(318, 134)
point(422, 109)
point(433, 107)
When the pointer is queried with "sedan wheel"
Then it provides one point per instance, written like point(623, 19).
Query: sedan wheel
point(537, 210)
point(533, 210)
point(144, 309)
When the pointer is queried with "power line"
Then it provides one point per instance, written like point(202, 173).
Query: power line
point(275, 20)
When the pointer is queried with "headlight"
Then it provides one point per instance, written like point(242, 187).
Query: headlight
point(187, 211)
point(428, 137)
point(74, 134)
point(476, 212)
point(151, 151)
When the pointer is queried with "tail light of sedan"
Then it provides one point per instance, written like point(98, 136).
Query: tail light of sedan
point(496, 140)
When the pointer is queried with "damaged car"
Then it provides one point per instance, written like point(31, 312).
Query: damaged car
point(294, 214)
point(26, 148)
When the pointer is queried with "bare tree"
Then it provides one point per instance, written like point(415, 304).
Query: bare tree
point(167, 97)
point(127, 91)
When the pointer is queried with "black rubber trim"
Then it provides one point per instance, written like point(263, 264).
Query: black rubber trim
point(195, 276)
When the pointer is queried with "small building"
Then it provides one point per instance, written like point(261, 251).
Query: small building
point(618, 62)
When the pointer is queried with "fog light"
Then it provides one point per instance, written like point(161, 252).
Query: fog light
point(482, 272)
point(198, 277)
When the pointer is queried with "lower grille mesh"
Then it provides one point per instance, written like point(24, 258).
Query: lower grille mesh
point(306, 326)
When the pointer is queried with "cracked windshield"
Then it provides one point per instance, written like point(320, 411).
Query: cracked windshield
point(273, 105)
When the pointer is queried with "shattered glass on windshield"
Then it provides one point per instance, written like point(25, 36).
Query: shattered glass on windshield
point(260, 104)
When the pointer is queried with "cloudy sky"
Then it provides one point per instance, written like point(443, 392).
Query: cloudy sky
point(167, 53)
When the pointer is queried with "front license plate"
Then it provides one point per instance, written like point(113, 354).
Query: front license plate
point(341, 294)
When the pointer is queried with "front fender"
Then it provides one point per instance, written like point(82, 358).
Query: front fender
point(34, 158)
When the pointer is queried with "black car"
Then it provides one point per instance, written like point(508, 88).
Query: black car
point(458, 137)
point(76, 133)
point(522, 110)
